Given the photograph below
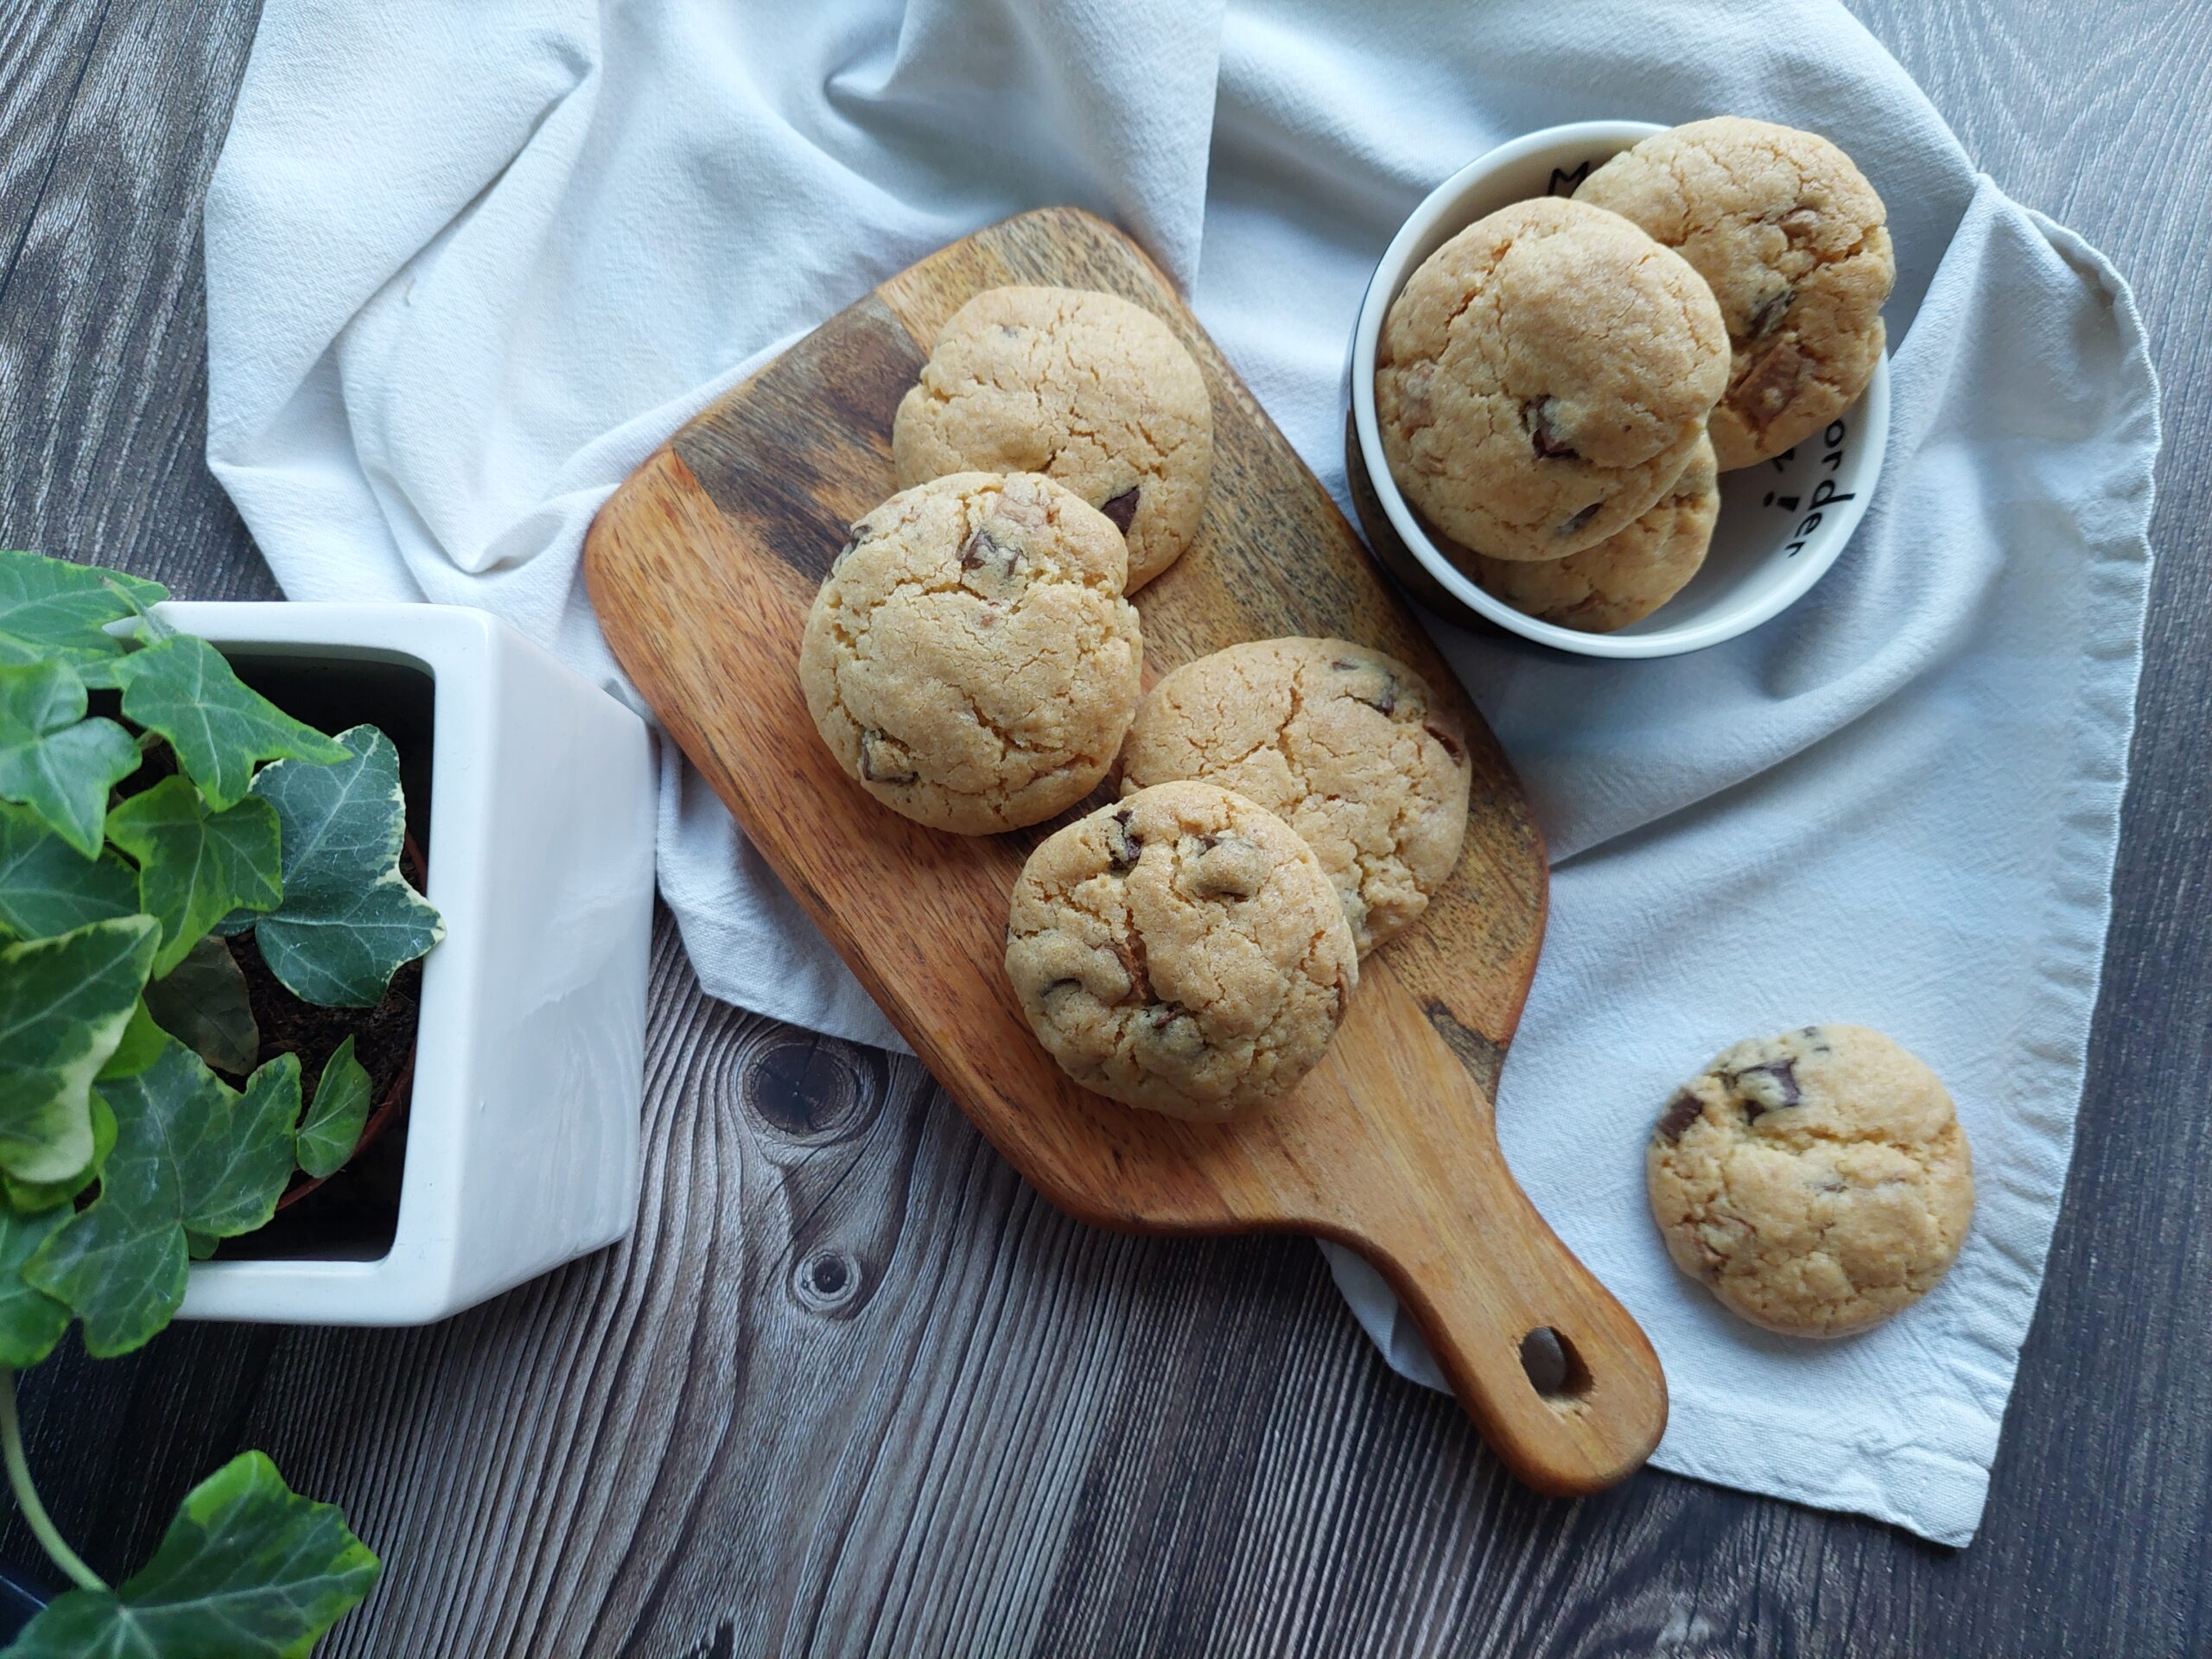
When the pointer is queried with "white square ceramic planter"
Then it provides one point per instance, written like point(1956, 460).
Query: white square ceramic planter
point(522, 1138)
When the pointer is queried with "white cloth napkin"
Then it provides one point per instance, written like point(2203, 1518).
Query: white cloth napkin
point(466, 266)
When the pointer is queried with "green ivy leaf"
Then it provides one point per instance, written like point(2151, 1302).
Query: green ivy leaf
point(190, 1152)
point(348, 921)
point(248, 1570)
point(31, 1321)
point(54, 761)
point(202, 1002)
point(334, 1122)
point(46, 887)
point(52, 610)
point(181, 687)
point(194, 866)
point(64, 1005)
point(233, 1184)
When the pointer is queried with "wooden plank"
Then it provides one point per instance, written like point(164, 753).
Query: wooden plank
point(1030, 1436)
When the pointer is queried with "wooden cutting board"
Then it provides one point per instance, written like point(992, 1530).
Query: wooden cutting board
point(702, 566)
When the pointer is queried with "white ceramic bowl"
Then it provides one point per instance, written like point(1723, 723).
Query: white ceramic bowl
point(1781, 522)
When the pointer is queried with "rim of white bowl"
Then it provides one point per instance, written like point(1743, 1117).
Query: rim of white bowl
point(1389, 276)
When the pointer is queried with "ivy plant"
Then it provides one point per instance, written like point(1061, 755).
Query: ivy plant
point(153, 807)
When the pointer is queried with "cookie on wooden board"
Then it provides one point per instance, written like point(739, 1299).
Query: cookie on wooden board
point(969, 659)
point(1086, 388)
point(1181, 951)
point(1345, 744)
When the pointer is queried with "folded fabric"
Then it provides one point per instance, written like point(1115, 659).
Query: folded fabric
point(464, 271)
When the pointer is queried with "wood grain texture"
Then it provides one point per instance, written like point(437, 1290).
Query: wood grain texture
point(854, 1387)
point(703, 567)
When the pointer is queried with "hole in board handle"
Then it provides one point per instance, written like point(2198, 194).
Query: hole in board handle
point(1554, 1370)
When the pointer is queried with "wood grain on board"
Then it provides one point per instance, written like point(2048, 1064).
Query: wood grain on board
point(852, 1387)
point(702, 569)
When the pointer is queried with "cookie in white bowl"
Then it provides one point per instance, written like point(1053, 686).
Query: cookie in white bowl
point(1544, 377)
point(1795, 244)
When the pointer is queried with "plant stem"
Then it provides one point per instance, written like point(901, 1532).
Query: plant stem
point(19, 1478)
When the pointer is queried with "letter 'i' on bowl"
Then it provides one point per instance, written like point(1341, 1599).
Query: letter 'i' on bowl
point(1782, 524)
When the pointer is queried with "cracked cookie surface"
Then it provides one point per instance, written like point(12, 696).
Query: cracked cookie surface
point(1086, 388)
point(969, 658)
point(1795, 246)
point(1543, 377)
point(1818, 1181)
point(1180, 950)
point(1344, 744)
point(1628, 574)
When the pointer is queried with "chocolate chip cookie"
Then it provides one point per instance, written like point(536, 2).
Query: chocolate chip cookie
point(1085, 388)
point(1628, 574)
point(1346, 745)
point(969, 659)
point(1543, 377)
point(1795, 246)
point(1818, 1181)
point(1181, 951)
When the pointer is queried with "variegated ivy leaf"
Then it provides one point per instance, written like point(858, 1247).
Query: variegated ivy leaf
point(52, 759)
point(31, 1321)
point(248, 1570)
point(47, 887)
point(139, 1047)
point(54, 610)
point(332, 1126)
point(203, 1003)
point(196, 865)
point(28, 1198)
point(348, 921)
point(181, 687)
point(191, 1154)
point(65, 1004)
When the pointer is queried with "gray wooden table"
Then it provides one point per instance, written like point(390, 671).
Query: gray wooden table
point(851, 1387)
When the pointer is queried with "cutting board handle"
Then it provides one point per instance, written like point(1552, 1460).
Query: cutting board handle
point(1559, 1379)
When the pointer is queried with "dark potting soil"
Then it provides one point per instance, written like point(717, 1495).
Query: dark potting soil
point(384, 1036)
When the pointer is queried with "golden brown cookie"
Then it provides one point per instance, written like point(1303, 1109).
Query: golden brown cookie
point(969, 658)
point(1628, 574)
point(1181, 951)
point(1543, 377)
point(1344, 744)
point(1089, 390)
point(1818, 1181)
point(1795, 244)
